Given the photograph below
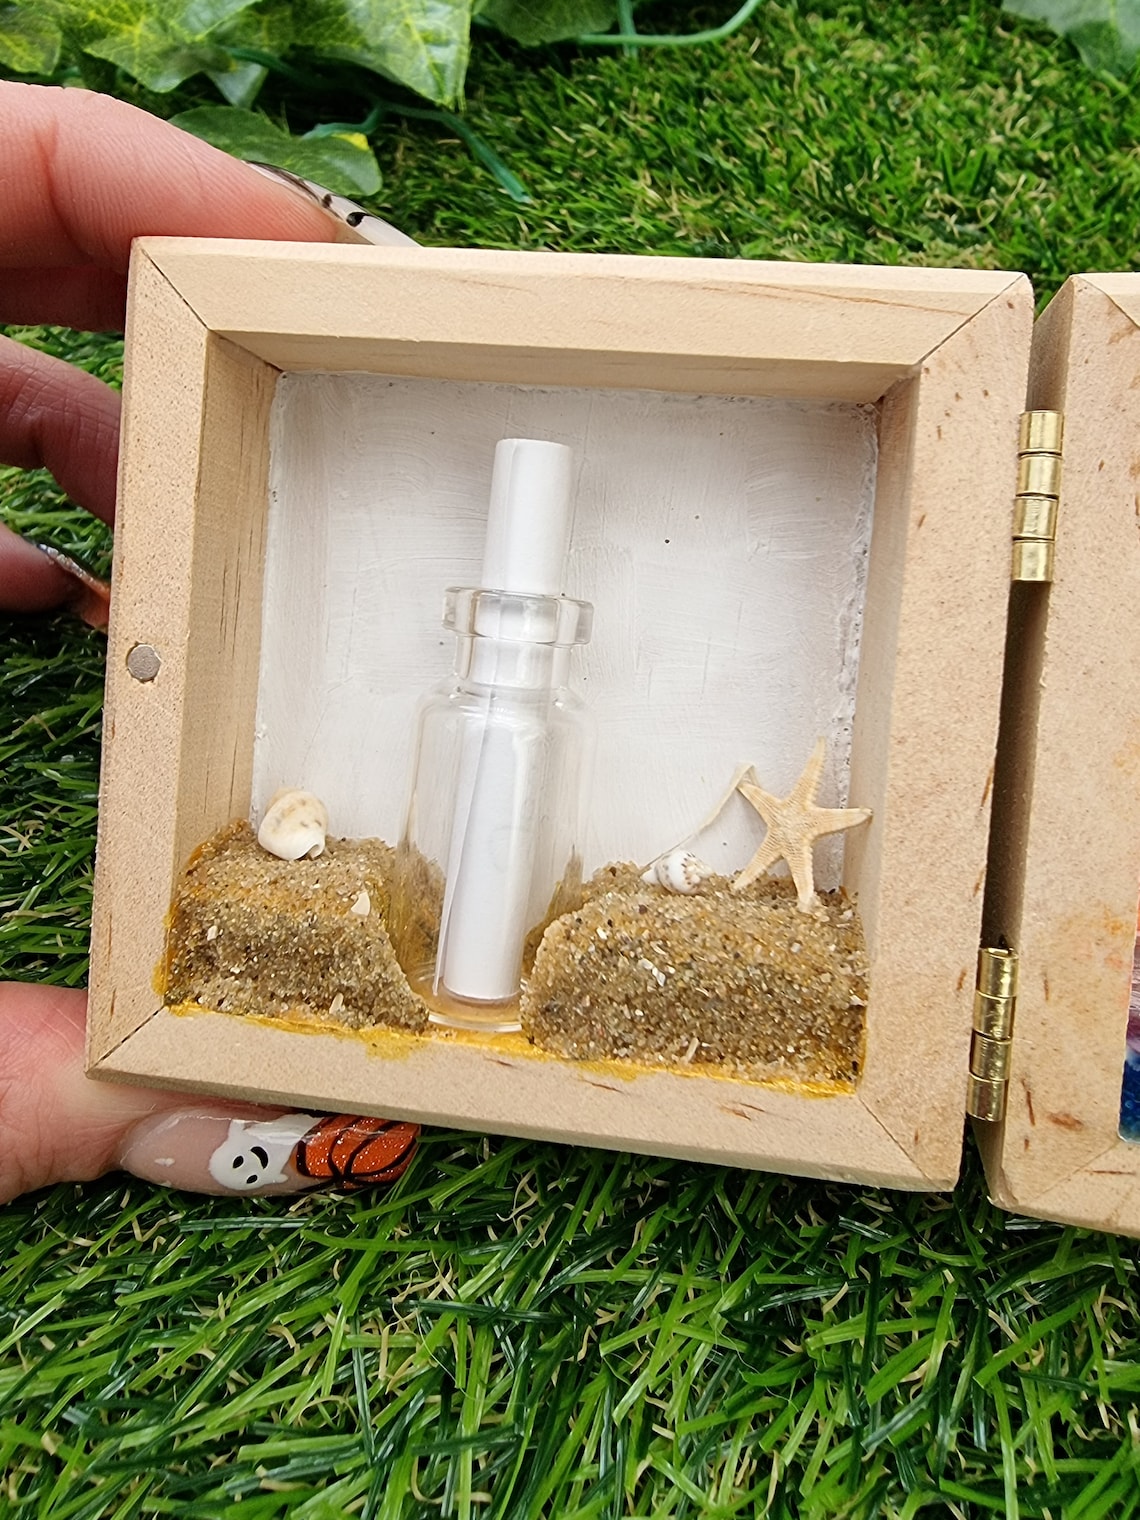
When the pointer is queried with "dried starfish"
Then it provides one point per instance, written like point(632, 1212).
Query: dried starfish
point(794, 824)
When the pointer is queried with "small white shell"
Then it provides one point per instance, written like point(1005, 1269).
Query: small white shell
point(361, 904)
point(679, 871)
point(294, 826)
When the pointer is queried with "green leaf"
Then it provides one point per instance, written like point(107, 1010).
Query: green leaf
point(1106, 33)
point(89, 20)
point(156, 44)
point(422, 44)
point(269, 29)
point(533, 22)
point(239, 83)
point(342, 162)
point(201, 17)
point(29, 43)
point(151, 52)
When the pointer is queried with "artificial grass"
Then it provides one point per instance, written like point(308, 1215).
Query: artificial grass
point(522, 1330)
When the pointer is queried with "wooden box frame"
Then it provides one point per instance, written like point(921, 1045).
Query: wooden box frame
point(943, 354)
point(1065, 870)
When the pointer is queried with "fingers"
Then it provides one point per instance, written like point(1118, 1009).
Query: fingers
point(92, 299)
point(53, 415)
point(88, 596)
point(29, 582)
point(82, 174)
point(57, 1125)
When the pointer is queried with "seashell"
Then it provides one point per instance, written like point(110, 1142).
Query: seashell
point(294, 826)
point(678, 871)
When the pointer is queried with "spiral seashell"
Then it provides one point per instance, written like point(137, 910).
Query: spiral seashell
point(294, 826)
point(678, 871)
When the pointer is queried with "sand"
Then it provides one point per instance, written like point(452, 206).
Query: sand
point(743, 982)
point(278, 938)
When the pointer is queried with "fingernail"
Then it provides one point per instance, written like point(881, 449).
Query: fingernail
point(91, 597)
point(208, 1152)
point(365, 227)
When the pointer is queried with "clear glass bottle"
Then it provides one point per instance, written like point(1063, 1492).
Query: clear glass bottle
point(490, 852)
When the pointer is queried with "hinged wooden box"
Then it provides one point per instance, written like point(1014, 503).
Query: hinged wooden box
point(267, 529)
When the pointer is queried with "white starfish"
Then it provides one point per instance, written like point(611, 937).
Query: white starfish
point(794, 824)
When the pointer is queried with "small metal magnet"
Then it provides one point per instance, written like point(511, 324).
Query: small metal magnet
point(144, 662)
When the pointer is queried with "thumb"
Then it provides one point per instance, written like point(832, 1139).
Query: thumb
point(57, 1125)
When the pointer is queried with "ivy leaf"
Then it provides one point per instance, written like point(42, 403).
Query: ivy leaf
point(29, 43)
point(88, 20)
point(269, 29)
point(156, 44)
point(1106, 33)
point(533, 22)
point(239, 83)
point(422, 44)
point(152, 53)
point(340, 161)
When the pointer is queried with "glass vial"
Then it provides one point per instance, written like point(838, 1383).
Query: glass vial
point(490, 850)
point(491, 847)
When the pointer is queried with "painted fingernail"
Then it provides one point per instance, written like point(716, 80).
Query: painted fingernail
point(208, 1152)
point(366, 227)
point(91, 597)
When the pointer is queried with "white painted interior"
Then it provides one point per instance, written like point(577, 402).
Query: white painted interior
point(722, 540)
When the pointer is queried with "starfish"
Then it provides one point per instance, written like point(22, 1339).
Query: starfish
point(794, 824)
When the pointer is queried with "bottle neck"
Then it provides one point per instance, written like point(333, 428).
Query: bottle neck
point(508, 641)
point(508, 664)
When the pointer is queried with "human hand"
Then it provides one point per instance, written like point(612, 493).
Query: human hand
point(80, 176)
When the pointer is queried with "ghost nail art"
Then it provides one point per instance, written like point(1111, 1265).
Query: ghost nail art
point(219, 1153)
point(255, 1152)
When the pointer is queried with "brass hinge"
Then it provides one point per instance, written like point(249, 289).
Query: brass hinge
point(995, 998)
point(1038, 491)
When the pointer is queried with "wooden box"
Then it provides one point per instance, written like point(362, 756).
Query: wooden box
point(933, 366)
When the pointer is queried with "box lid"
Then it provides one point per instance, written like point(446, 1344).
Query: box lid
point(1065, 868)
